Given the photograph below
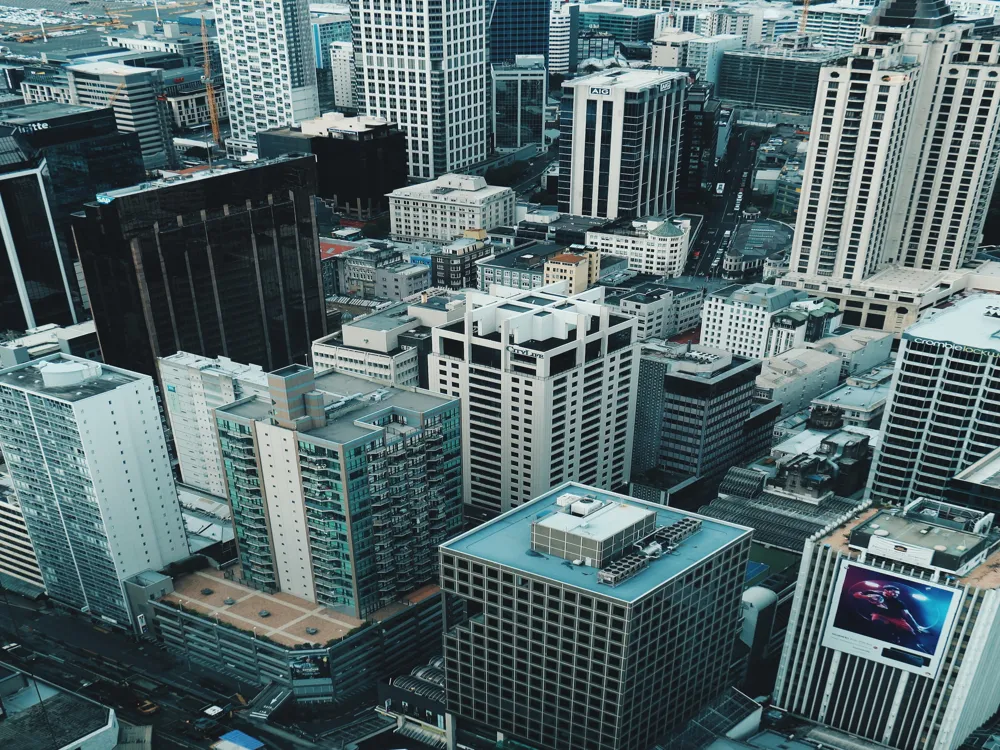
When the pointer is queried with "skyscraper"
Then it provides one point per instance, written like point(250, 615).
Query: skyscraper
point(903, 155)
point(621, 138)
point(426, 68)
point(518, 27)
point(519, 101)
point(269, 66)
point(943, 412)
point(617, 625)
point(222, 262)
point(548, 385)
point(341, 487)
point(893, 629)
point(90, 465)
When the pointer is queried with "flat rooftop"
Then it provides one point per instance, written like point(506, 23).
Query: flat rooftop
point(986, 471)
point(810, 439)
point(41, 716)
point(41, 111)
point(527, 259)
point(852, 397)
point(77, 379)
point(361, 399)
point(507, 541)
point(973, 321)
point(636, 78)
point(388, 319)
point(220, 366)
point(289, 615)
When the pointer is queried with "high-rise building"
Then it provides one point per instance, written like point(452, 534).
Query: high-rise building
point(564, 29)
point(341, 487)
point(135, 94)
point(343, 74)
point(434, 81)
point(269, 66)
point(327, 30)
point(561, 647)
point(893, 629)
point(223, 262)
point(56, 157)
point(620, 148)
point(943, 413)
point(903, 155)
point(694, 413)
point(192, 387)
point(519, 101)
point(518, 27)
point(19, 571)
point(548, 386)
point(837, 24)
point(88, 458)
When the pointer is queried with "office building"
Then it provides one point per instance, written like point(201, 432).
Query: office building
point(241, 297)
point(39, 715)
point(573, 269)
point(358, 266)
point(518, 27)
point(519, 269)
point(755, 244)
point(705, 55)
point(867, 210)
point(552, 226)
point(391, 345)
point(435, 85)
point(695, 414)
point(564, 30)
point(454, 266)
point(860, 400)
point(837, 24)
point(193, 386)
point(187, 98)
point(942, 414)
point(520, 95)
point(795, 377)
point(936, 680)
point(783, 76)
point(623, 23)
point(86, 452)
point(358, 159)
point(327, 30)
point(343, 74)
point(596, 557)
point(19, 571)
point(702, 115)
point(978, 486)
point(622, 157)
point(548, 383)
point(168, 39)
point(134, 95)
point(401, 280)
point(442, 210)
point(375, 474)
point(653, 246)
point(670, 48)
point(760, 320)
point(661, 310)
point(269, 67)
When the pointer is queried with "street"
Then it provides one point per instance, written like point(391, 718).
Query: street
point(117, 671)
point(719, 211)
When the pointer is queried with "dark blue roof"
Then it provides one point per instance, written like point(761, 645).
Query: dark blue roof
point(243, 740)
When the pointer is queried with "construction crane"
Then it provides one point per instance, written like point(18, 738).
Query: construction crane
point(116, 93)
point(805, 15)
point(213, 110)
point(114, 23)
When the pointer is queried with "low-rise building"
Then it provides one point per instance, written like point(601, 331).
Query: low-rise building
point(655, 246)
point(390, 345)
point(444, 209)
point(357, 267)
point(753, 243)
point(523, 268)
point(860, 349)
point(796, 376)
point(454, 266)
point(80, 340)
point(553, 226)
point(575, 269)
point(861, 399)
point(401, 280)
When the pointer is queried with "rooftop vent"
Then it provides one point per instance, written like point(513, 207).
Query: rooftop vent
point(992, 311)
point(586, 505)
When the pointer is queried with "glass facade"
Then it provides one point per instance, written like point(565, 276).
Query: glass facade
point(519, 106)
point(518, 27)
point(227, 264)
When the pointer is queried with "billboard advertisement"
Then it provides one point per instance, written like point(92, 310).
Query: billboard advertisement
point(891, 618)
point(310, 667)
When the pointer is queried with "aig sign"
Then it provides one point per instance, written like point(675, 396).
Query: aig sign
point(598, 91)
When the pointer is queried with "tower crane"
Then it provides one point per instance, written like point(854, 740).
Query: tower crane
point(213, 110)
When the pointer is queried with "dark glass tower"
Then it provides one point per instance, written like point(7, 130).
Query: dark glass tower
point(222, 262)
point(55, 157)
point(518, 27)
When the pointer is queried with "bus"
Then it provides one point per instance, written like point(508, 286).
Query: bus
point(720, 188)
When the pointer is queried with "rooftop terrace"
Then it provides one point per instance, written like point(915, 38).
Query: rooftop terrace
point(507, 541)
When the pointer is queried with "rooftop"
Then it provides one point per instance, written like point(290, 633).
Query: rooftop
point(793, 364)
point(772, 298)
point(219, 366)
point(40, 112)
point(66, 378)
point(618, 9)
point(529, 259)
point(352, 405)
point(41, 716)
point(810, 439)
point(862, 392)
point(289, 615)
point(973, 322)
point(110, 69)
point(389, 319)
point(507, 541)
point(985, 471)
point(455, 188)
point(635, 79)
point(762, 237)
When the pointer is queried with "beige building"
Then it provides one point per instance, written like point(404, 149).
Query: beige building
point(574, 269)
